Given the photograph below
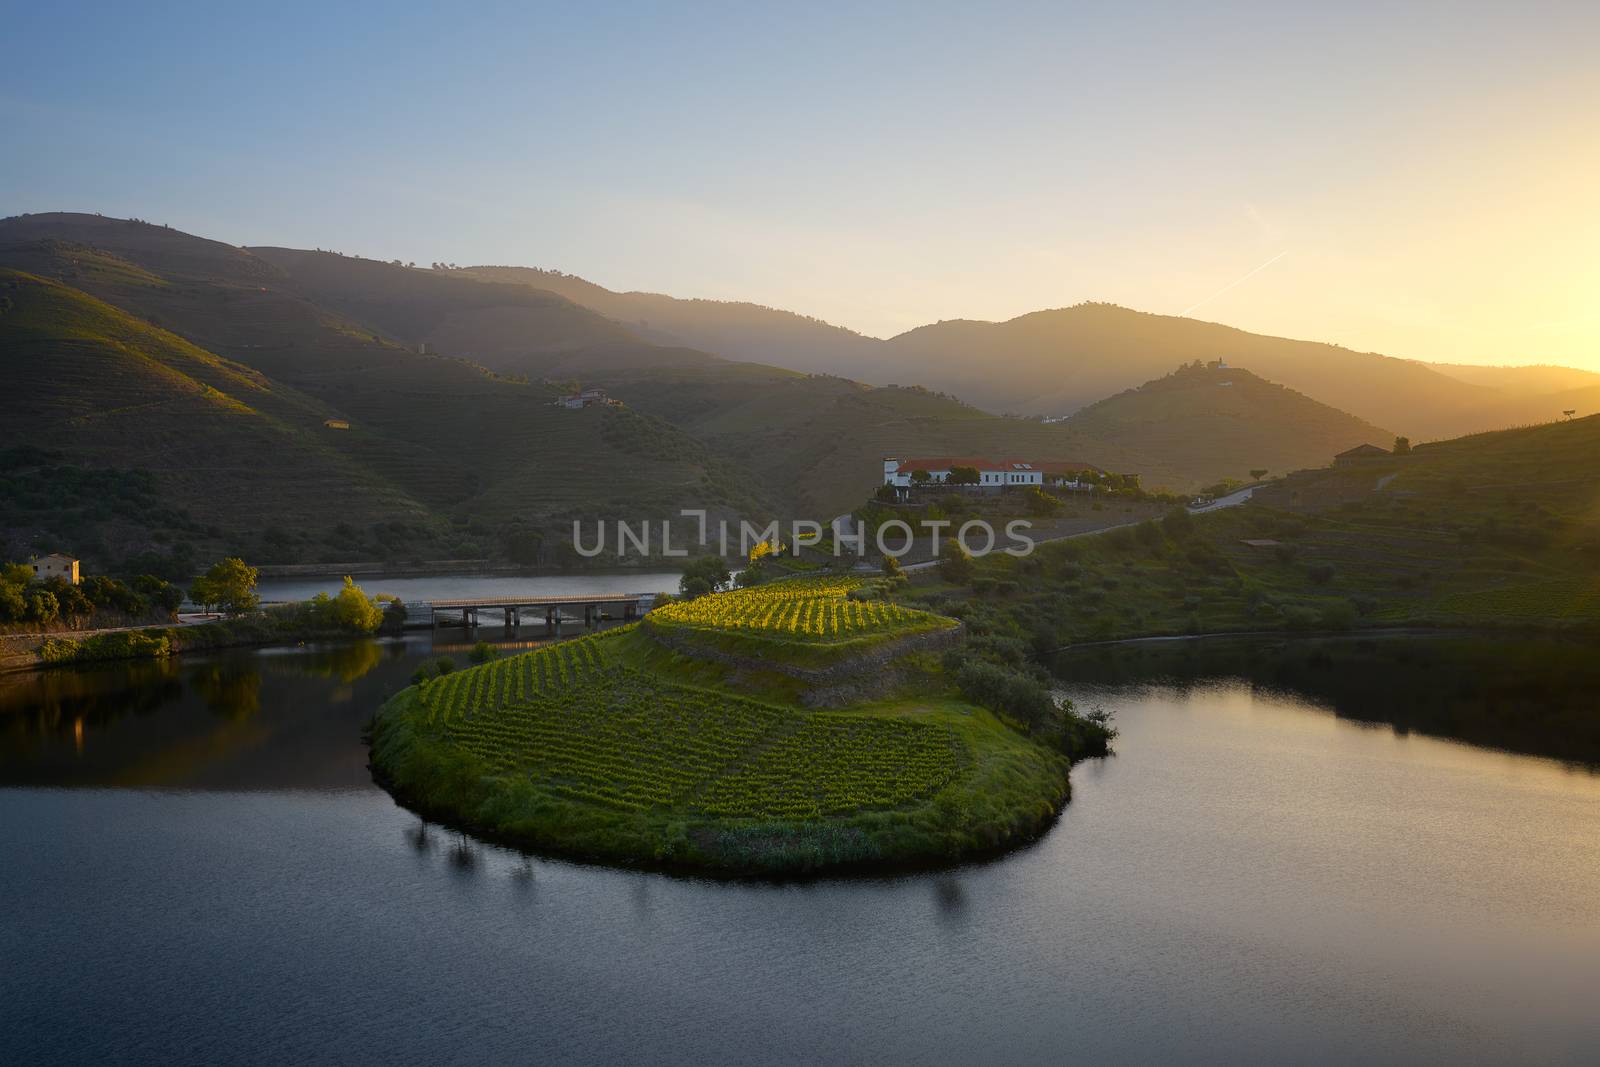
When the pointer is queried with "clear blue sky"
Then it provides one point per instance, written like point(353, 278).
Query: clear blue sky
point(1424, 173)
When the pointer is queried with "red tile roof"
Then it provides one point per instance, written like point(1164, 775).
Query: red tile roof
point(944, 463)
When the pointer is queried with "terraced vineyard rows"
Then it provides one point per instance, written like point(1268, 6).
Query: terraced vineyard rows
point(618, 739)
point(838, 763)
point(812, 609)
point(586, 727)
point(519, 678)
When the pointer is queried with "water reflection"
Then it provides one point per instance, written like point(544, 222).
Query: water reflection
point(236, 719)
point(1250, 879)
point(1533, 696)
point(951, 899)
point(231, 690)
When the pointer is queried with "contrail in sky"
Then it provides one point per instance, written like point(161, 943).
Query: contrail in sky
point(1233, 283)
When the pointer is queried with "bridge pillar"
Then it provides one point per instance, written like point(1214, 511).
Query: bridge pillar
point(508, 612)
point(469, 618)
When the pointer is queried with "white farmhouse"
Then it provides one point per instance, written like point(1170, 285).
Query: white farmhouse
point(992, 474)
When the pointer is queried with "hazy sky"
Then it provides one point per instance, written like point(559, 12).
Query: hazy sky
point(1427, 176)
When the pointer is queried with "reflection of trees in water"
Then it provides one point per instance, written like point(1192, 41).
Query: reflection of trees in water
point(1534, 696)
point(53, 703)
point(232, 690)
point(462, 855)
point(346, 662)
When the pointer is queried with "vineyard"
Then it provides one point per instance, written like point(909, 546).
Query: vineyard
point(589, 729)
point(809, 609)
point(626, 746)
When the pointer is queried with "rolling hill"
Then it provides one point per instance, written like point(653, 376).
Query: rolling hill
point(470, 456)
point(103, 390)
point(1057, 361)
point(445, 380)
point(1054, 362)
point(1226, 419)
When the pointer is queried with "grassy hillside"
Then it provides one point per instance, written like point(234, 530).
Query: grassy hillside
point(476, 447)
point(823, 439)
point(1227, 421)
point(483, 455)
point(1498, 529)
point(103, 390)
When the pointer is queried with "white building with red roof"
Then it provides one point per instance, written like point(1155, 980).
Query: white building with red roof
point(992, 474)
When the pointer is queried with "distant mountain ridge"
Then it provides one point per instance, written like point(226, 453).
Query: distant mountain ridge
point(445, 379)
point(1055, 361)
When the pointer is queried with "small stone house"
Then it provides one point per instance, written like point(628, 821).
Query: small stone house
point(55, 565)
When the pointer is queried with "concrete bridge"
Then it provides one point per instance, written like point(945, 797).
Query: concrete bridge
point(545, 609)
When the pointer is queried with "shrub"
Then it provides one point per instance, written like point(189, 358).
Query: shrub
point(1339, 615)
point(1301, 617)
point(956, 566)
point(128, 644)
point(1009, 692)
point(1320, 573)
point(482, 652)
point(1178, 523)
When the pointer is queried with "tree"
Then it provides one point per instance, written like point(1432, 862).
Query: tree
point(956, 567)
point(162, 594)
point(1402, 446)
point(920, 477)
point(1040, 502)
point(963, 476)
point(1257, 473)
point(703, 575)
point(354, 610)
point(229, 585)
point(523, 546)
point(891, 566)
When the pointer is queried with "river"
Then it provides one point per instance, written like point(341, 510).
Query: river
point(196, 868)
point(464, 586)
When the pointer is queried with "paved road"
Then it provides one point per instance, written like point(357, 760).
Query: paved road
point(1232, 500)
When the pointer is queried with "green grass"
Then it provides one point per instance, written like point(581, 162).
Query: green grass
point(613, 748)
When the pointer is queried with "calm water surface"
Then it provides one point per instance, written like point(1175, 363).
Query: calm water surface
point(195, 868)
point(433, 587)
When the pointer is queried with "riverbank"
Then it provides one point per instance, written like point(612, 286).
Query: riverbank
point(158, 642)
